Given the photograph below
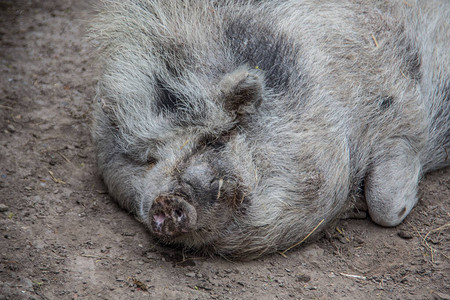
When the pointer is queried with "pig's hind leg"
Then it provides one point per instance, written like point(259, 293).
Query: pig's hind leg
point(392, 182)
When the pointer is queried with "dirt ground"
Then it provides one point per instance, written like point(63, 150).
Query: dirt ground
point(63, 238)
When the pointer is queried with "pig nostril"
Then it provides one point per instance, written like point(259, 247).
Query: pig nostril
point(159, 220)
point(171, 215)
point(178, 213)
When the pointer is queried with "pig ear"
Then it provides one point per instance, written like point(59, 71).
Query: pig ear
point(241, 90)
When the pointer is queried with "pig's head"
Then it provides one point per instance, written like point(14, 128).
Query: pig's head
point(189, 152)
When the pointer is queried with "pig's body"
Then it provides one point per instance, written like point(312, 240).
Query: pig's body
point(236, 127)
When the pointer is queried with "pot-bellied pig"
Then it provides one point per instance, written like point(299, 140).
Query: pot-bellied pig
point(240, 127)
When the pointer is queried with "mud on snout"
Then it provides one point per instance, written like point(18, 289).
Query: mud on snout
point(202, 200)
point(171, 215)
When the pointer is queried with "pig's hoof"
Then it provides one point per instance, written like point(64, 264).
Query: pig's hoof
point(171, 216)
point(391, 186)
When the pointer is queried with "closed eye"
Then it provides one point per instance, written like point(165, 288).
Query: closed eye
point(218, 141)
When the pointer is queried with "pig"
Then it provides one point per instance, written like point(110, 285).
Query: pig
point(240, 128)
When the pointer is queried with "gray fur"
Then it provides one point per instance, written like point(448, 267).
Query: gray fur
point(266, 116)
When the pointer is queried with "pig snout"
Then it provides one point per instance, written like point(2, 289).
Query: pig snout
point(171, 215)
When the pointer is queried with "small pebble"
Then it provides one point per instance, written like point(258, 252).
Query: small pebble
point(11, 128)
point(3, 207)
point(405, 235)
point(190, 274)
point(303, 277)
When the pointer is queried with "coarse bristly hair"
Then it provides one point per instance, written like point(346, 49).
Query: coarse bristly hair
point(260, 119)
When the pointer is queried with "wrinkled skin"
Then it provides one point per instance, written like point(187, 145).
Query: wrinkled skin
point(236, 127)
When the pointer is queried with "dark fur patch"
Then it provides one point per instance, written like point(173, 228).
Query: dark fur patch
point(385, 102)
point(411, 57)
point(259, 47)
point(172, 103)
point(167, 100)
point(413, 63)
point(178, 55)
